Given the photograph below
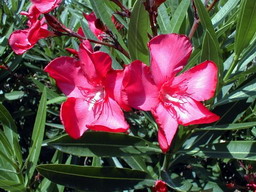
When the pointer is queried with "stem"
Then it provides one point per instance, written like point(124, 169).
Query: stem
point(116, 46)
point(119, 4)
point(166, 162)
point(152, 18)
point(196, 18)
point(193, 28)
point(212, 5)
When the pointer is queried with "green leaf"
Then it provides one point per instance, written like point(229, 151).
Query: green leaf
point(247, 91)
point(14, 95)
point(243, 150)
point(95, 178)
point(138, 33)
point(224, 11)
point(178, 17)
point(236, 126)
point(136, 162)
point(10, 131)
point(104, 144)
point(37, 136)
point(59, 100)
point(163, 19)
point(50, 93)
point(212, 37)
point(210, 51)
point(246, 25)
point(12, 186)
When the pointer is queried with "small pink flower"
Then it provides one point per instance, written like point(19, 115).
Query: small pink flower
point(160, 186)
point(45, 6)
point(93, 89)
point(172, 99)
point(23, 40)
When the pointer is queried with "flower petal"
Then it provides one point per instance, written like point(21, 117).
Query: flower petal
point(45, 6)
point(19, 41)
point(95, 65)
point(68, 75)
point(169, 53)
point(74, 115)
point(114, 88)
point(167, 124)
point(200, 81)
point(141, 91)
point(109, 117)
point(191, 112)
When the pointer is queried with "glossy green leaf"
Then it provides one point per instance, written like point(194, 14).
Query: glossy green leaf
point(95, 178)
point(50, 93)
point(12, 186)
point(138, 33)
point(224, 11)
point(246, 25)
point(14, 95)
point(212, 37)
point(163, 19)
point(243, 150)
point(136, 162)
point(10, 131)
point(247, 91)
point(104, 144)
point(178, 17)
point(37, 136)
point(210, 51)
point(59, 100)
point(234, 127)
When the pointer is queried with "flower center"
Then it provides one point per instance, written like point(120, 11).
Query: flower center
point(170, 95)
point(93, 96)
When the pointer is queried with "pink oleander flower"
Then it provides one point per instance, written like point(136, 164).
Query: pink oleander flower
point(23, 40)
point(45, 6)
point(173, 99)
point(93, 89)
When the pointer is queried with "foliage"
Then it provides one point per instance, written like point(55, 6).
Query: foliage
point(215, 157)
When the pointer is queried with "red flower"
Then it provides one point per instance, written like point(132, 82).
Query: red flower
point(160, 186)
point(172, 99)
point(45, 6)
point(93, 89)
point(23, 40)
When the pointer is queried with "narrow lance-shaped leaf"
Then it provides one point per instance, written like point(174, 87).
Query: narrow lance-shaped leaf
point(104, 144)
point(210, 49)
point(178, 17)
point(235, 126)
point(138, 33)
point(207, 24)
point(96, 178)
point(243, 150)
point(247, 91)
point(246, 26)
point(37, 136)
point(10, 131)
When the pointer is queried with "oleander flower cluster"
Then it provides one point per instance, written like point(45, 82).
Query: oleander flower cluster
point(98, 95)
